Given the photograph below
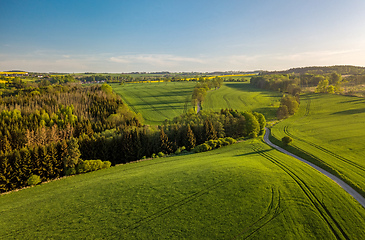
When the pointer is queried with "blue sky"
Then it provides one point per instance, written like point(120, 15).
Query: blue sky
point(171, 35)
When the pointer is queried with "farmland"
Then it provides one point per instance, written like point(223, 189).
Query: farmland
point(244, 190)
point(159, 101)
point(329, 130)
point(243, 97)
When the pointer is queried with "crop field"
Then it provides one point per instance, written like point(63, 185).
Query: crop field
point(243, 97)
point(157, 101)
point(246, 190)
point(329, 130)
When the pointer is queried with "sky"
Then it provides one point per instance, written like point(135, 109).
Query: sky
point(179, 36)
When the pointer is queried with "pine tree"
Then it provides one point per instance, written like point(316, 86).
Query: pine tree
point(190, 140)
point(72, 158)
point(209, 131)
point(165, 145)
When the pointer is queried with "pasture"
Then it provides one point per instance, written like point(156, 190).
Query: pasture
point(329, 131)
point(246, 190)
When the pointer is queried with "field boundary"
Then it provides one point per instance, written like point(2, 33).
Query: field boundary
point(357, 196)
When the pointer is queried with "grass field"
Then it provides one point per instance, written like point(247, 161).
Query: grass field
point(246, 190)
point(157, 101)
point(243, 97)
point(329, 129)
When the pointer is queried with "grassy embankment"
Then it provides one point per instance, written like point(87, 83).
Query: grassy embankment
point(239, 191)
point(159, 101)
point(329, 131)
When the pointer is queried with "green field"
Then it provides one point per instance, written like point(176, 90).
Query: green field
point(157, 101)
point(243, 97)
point(246, 190)
point(330, 130)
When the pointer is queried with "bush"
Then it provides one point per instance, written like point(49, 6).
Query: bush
point(33, 180)
point(286, 140)
point(160, 154)
point(70, 171)
point(180, 150)
point(92, 165)
point(230, 140)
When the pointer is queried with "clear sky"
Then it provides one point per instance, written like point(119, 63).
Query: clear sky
point(184, 35)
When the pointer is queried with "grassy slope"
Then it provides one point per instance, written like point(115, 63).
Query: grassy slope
point(242, 96)
point(331, 129)
point(157, 101)
point(243, 190)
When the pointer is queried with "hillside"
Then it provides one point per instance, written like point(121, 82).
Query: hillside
point(329, 129)
point(243, 97)
point(244, 190)
point(157, 101)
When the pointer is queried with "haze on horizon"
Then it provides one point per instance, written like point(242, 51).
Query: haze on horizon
point(165, 35)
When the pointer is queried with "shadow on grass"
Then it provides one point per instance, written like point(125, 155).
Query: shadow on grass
point(350, 111)
point(253, 153)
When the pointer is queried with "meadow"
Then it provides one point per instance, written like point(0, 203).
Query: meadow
point(243, 97)
point(246, 190)
point(329, 131)
point(159, 101)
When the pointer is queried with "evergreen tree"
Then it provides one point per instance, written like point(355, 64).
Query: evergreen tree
point(190, 140)
point(165, 144)
point(72, 158)
point(209, 131)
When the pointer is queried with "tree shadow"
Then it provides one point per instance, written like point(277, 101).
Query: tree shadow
point(350, 111)
point(253, 153)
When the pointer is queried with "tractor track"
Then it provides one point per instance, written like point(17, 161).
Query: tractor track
point(273, 210)
point(340, 158)
point(335, 227)
point(173, 206)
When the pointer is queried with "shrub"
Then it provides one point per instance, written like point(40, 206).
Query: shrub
point(230, 140)
point(286, 140)
point(160, 154)
point(106, 164)
point(180, 150)
point(92, 165)
point(70, 171)
point(33, 180)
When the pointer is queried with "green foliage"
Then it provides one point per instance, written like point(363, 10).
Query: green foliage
point(214, 144)
point(72, 157)
point(286, 140)
point(160, 154)
point(288, 106)
point(33, 180)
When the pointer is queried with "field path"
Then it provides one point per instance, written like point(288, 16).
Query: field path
point(342, 184)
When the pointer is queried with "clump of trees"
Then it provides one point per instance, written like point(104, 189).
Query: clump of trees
point(201, 88)
point(289, 105)
point(324, 85)
point(286, 140)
